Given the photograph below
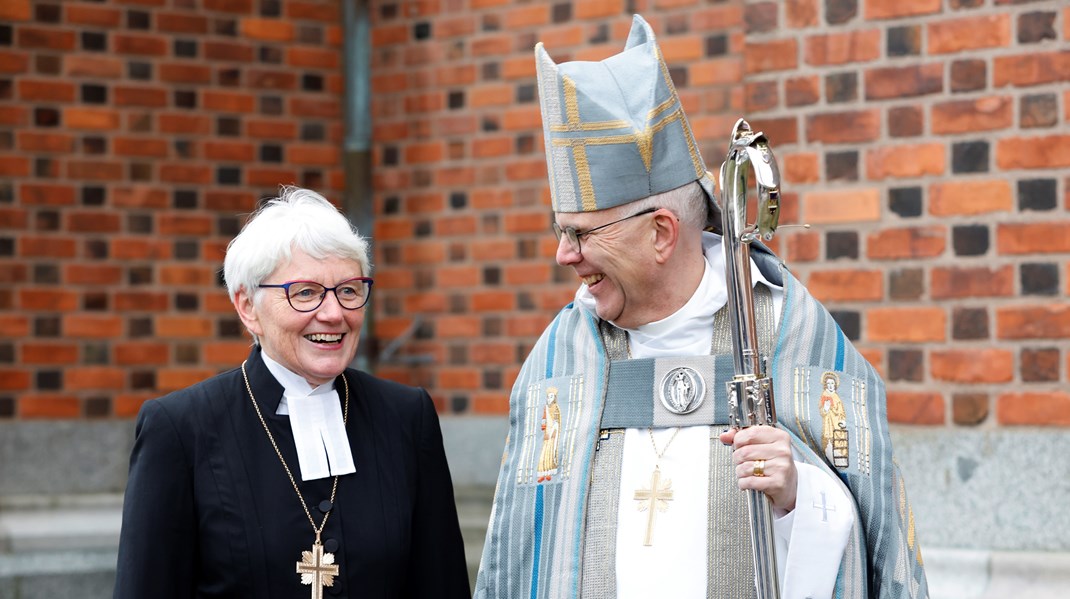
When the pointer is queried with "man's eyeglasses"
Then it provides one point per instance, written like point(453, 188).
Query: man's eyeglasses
point(306, 296)
point(574, 236)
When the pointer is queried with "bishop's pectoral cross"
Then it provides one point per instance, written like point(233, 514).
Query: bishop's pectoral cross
point(654, 500)
point(317, 569)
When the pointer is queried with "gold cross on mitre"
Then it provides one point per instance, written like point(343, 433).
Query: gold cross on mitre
point(654, 500)
point(317, 569)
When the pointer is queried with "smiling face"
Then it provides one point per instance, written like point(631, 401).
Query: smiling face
point(616, 263)
point(316, 345)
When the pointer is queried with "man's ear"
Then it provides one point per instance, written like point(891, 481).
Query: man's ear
point(243, 304)
point(666, 235)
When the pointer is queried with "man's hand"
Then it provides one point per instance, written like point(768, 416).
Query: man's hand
point(777, 476)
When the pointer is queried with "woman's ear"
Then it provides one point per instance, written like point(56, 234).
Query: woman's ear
point(666, 235)
point(243, 304)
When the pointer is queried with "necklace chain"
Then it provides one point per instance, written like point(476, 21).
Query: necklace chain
point(334, 486)
point(663, 449)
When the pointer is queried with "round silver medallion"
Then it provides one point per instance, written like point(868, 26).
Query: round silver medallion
point(682, 390)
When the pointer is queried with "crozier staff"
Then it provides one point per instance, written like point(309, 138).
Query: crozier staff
point(646, 499)
point(292, 475)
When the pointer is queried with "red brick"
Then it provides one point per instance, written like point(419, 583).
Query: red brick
point(229, 151)
point(14, 380)
point(181, 275)
point(92, 274)
point(970, 197)
point(173, 379)
point(179, 73)
point(916, 408)
point(497, 403)
point(140, 147)
point(527, 273)
point(96, 170)
point(905, 161)
point(141, 301)
point(1034, 409)
point(76, 117)
point(894, 83)
point(1033, 238)
point(970, 33)
point(228, 101)
point(186, 124)
point(43, 38)
point(847, 285)
point(92, 378)
point(46, 195)
point(174, 224)
point(907, 243)
point(1052, 151)
point(802, 91)
point(46, 247)
point(12, 325)
point(16, 10)
point(12, 62)
point(594, 9)
point(906, 325)
point(170, 22)
point(523, 17)
point(970, 116)
point(35, 90)
point(229, 51)
point(225, 353)
point(48, 353)
point(980, 281)
point(1025, 70)
point(895, 9)
point(133, 248)
point(268, 30)
point(844, 127)
point(842, 206)
point(144, 45)
point(81, 326)
point(802, 13)
point(843, 48)
point(142, 353)
point(973, 366)
point(767, 57)
point(139, 196)
point(183, 327)
point(49, 406)
point(1033, 322)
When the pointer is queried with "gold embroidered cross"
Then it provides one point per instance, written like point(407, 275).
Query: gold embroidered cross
point(317, 569)
point(654, 500)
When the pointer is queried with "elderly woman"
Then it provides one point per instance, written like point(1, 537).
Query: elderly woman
point(292, 475)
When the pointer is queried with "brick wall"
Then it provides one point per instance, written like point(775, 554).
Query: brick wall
point(926, 142)
point(133, 136)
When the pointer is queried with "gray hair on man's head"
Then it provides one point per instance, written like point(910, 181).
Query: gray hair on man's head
point(299, 219)
point(688, 202)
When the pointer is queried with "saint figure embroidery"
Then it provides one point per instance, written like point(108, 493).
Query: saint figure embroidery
point(833, 422)
point(551, 431)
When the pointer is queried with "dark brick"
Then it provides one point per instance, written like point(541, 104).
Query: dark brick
point(492, 275)
point(46, 220)
point(906, 365)
point(422, 31)
point(270, 54)
point(270, 8)
point(187, 250)
point(456, 99)
point(1040, 365)
point(143, 379)
point(717, 45)
point(906, 284)
point(271, 153)
point(230, 328)
point(228, 175)
point(561, 12)
point(46, 274)
point(138, 19)
point(141, 71)
point(47, 13)
point(458, 200)
point(1037, 194)
point(46, 117)
point(840, 11)
point(970, 240)
point(46, 326)
point(968, 75)
point(490, 71)
point(186, 48)
point(271, 105)
point(97, 407)
point(904, 41)
point(761, 17)
point(841, 244)
point(841, 87)
point(1034, 27)
point(185, 98)
point(94, 41)
point(525, 93)
point(841, 166)
point(139, 223)
point(7, 407)
point(93, 195)
point(95, 301)
point(313, 132)
point(459, 404)
point(1038, 111)
point(969, 323)
point(492, 326)
point(311, 82)
point(905, 201)
point(184, 199)
point(850, 323)
point(492, 379)
point(1039, 279)
point(970, 157)
point(969, 409)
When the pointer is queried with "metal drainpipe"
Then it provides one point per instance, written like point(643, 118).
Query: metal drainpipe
point(357, 150)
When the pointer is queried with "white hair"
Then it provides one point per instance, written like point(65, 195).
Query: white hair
point(299, 219)
point(688, 202)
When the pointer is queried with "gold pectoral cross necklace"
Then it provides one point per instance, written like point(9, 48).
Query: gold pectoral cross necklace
point(656, 498)
point(317, 568)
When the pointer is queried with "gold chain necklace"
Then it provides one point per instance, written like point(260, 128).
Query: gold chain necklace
point(316, 568)
point(656, 498)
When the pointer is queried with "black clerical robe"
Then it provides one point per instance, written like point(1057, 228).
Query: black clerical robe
point(210, 512)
